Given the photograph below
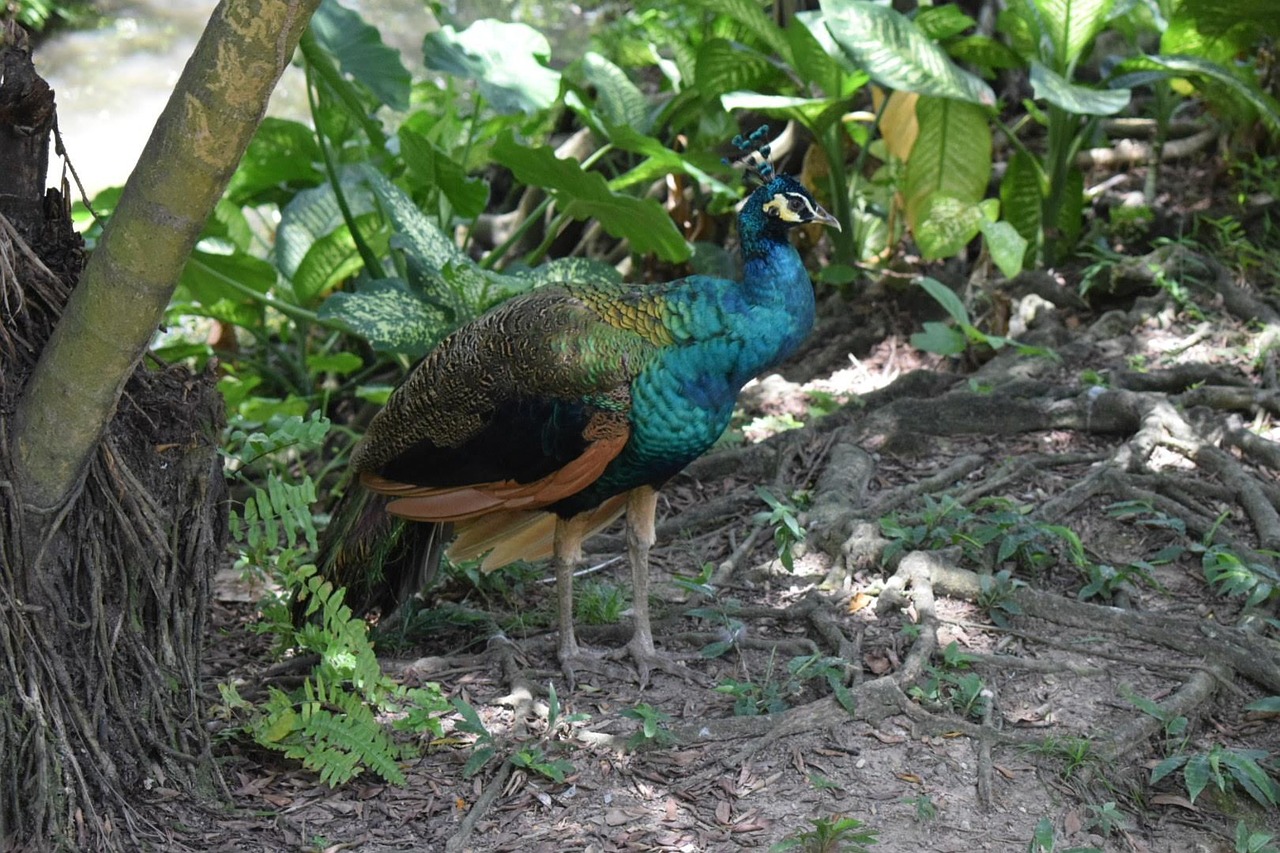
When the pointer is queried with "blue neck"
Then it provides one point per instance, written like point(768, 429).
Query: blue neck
point(774, 278)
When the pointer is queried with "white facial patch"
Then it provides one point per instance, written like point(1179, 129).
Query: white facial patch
point(790, 207)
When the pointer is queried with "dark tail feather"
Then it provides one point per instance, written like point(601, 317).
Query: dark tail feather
point(383, 561)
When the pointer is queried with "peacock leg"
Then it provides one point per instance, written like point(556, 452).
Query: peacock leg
point(566, 556)
point(642, 505)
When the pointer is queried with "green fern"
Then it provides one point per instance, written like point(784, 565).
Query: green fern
point(333, 723)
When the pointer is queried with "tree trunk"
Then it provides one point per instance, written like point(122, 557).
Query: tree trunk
point(112, 501)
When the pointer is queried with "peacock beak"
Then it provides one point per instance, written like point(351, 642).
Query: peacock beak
point(820, 215)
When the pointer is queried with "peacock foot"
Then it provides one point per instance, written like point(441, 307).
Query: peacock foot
point(575, 659)
point(647, 659)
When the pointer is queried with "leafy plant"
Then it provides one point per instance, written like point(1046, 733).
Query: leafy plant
point(1044, 840)
point(1224, 768)
point(599, 603)
point(830, 835)
point(1248, 841)
point(996, 596)
point(787, 532)
point(653, 731)
point(773, 695)
point(926, 809)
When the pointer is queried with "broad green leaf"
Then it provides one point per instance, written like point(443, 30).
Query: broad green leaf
point(897, 54)
point(939, 338)
point(661, 160)
point(334, 258)
point(815, 63)
point(1021, 195)
point(1008, 248)
point(568, 270)
point(618, 100)
point(1080, 100)
point(750, 15)
point(388, 315)
point(310, 216)
point(984, 52)
point(1070, 220)
point(282, 158)
point(946, 297)
point(724, 66)
point(1216, 17)
point(507, 61)
point(952, 156)
point(340, 363)
point(946, 225)
point(1197, 774)
point(359, 50)
point(421, 239)
point(1195, 67)
point(1269, 704)
point(1071, 26)
point(808, 111)
point(585, 195)
point(1164, 768)
point(429, 165)
point(942, 22)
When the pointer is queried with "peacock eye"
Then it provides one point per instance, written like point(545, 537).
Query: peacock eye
point(773, 211)
point(795, 204)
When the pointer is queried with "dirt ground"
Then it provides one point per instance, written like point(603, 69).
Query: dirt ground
point(1135, 435)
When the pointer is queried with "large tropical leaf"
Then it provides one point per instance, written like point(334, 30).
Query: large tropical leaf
point(506, 60)
point(1204, 70)
point(430, 165)
point(390, 316)
point(359, 50)
point(897, 54)
point(1071, 26)
point(750, 16)
point(618, 100)
point(724, 66)
point(951, 157)
point(585, 195)
point(1078, 100)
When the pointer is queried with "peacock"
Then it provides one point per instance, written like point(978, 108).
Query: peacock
point(543, 420)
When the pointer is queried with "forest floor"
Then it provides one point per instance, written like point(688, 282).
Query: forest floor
point(976, 703)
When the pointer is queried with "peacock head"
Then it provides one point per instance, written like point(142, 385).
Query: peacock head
point(779, 202)
point(784, 203)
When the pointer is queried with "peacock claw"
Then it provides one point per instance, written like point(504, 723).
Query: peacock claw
point(582, 660)
point(647, 659)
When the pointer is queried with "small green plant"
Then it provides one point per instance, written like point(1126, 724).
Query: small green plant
point(1224, 768)
point(774, 695)
point(1175, 725)
point(996, 596)
point(330, 722)
point(653, 731)
point(926, 808)
point(1044, 840)
point(1234, 576)
point(950, 685)
point(720, 612)
point(787, 532)
point(1248, 841)
point(599, 603)
point(1075, 753)
point(1106, 818)
point(830, 835)
point(485, 747)
point(532, 759)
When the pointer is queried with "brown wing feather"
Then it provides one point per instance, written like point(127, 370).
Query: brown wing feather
point(459, 503)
